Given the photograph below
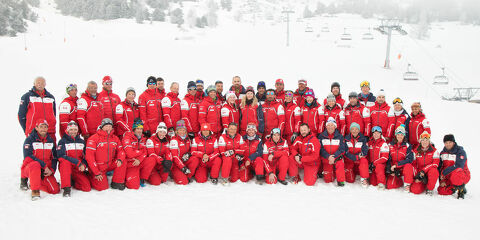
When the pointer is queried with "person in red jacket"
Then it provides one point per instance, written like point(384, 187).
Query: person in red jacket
point(172, 111)
point(237, 88)
point(139, 166)
point(219, 89)
point(109, 99)
point(126, 112)
point(400, 117)
point(273, 113)
point(36, 104)
point(293, 117)
point(161, 87)
point(425, 166)
point(251, 112)
point(158, 148)
point(279, 91)
point(377, 157)
point(189, 107)
point(312, 113)
point(305, 153)
point(299, 95)
point(205, 149)
point(454, 173)
point(230, 145)
point(253, 152)
point(150, 106)
point(89, 111)
point(209, 111)
point(400, 161)
point(335, 90)
point(331, 153)
point(356, 151)
point(333, 110)
point(275, 159)
point(67, 111)
point(365, 97)
point(184, 165)
point(381, 115)
point(356, 113)
point(73, 166)
point(200, 94)
point(40, 161)
point(104, 153)
point(230, 112)
point(418, 124)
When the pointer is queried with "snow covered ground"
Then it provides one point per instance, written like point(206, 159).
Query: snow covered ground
point(130, 53)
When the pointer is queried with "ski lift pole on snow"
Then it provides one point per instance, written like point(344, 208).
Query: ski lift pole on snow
point(288, 11)
point(386, 28)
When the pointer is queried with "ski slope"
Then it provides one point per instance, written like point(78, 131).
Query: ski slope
point(65, 49)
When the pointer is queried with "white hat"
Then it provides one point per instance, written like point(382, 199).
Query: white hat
point(331, 120)
point(230, 94)
point(381, 93)
point(161, 127)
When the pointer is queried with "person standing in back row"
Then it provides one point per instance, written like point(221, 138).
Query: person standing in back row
point(150, 106)
point(109, 99)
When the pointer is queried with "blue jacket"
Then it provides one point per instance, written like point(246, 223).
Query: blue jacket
point(259, 152)
point(25, 102)
point(341, 146)
point(364, 151)
point(33, 141)
point(62, 148)
point(460, 160)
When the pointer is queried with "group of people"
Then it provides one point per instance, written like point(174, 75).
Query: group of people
point(269, 135)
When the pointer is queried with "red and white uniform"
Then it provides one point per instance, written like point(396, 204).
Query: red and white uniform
point(206, 145)
point(309, 149)
point(171, 109)
point(159, 150)
point(338, 100)
point(89, 113)
point(454, 170)
point(428, 163)
point(293, 117)
point(253, 153)
point(401, 155)
point(230, 168)
point(178, 148)
point(399, 118)
point(136, 148)
point(251, 114)
point(356, 151)
point(230, 114)
point(71, 154)
point(189, 107)
point(299, 98)
point(279, 162)
point(210, 112)
point(418, 124)
point(274, 115)
point(110, 101)
point(336, 113)
point(150, 106)
point(67, 111)
point(313, 116)
point(125, 114)
point(102, 152)
point(358, 114)
point(280, 96)
point(382, 116)
point(378, 155)
point(34, 106)
point(332, 144)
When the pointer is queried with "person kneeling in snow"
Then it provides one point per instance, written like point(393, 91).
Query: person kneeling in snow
point(275, 157)
point(158, 148)
point(377, 157)
point(104, 153)
point(454, 174)
point(331, 153)
point(40, 161)
point(425, 164)
point(231, 149)
point(184, 164)
point(356, 151)
point(253, 152)
point(205, 149)
point(139, 167)
point(305, 152)
point(400, 161)
point(71, 155)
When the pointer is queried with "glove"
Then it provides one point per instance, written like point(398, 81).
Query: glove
point(171, 132)
point(238, 157)
point(147, 134)
point(186, 170)
point(397, 172)
point(186, 156)
point(423, 178)
point(229, 153)
point(167, 165)
point(371, 167)
point(191, 135)
point(294, 136)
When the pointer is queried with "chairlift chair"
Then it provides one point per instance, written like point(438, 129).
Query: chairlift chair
point(441, 79)
point(345, 35)
point(308, 29)
point(367, 36)
point(410, 75)
point(325, 29)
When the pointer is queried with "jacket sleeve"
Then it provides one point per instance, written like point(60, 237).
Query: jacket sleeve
point(323, 152)
point(258, 153)
point(90, 155)
point(120, 117)
point(142, 107)
point(216, 152)
point(408, 157)
point(175, 151)
point(314, 152)
point(391, 123)
point(321, 119)
point(82, 107)
point(283, 152)
point(130, 151)
point(151, 151)
point(241, 149)
point(366, 121)
point(167, 107)
point(195, 150)
point(222, 146)
point(407, 128)
point(62, 153)
point(65, 109)
point(28, 152)
point(298, 119)
point(281, 117)
point(185, 108)
point(261, 119)
point(342, 124)
point(348, 154)
point(225, 114)
point(460, 161)
point(22, 111)
point(341, 149)
point(54, 157)
point(435, 162)
point(384, 151)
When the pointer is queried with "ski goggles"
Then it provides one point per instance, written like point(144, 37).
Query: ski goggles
point(365, 84)
point(276, 131)
point(397, 100)
point(71, 86)
point(425, 135)
point(152, 83)
point(289, 94)
point(192, 88)
point(377, 129)
point(271, 93)
point(251, 126)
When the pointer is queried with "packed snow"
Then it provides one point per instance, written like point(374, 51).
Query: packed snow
point(66, 49)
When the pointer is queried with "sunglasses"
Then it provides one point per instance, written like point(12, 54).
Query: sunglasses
point(72, 85)
point(192, 89)
point(152, 83)
point(251, 127)
point(270, 93)
point(108, 83)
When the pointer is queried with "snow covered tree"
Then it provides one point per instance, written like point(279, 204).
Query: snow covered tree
point(191, 18)
point(320, 9)
point(212, 17)
point(140, 14)
point(226, 4)
point(176, 17)
point(158, 15)
point(307, 13)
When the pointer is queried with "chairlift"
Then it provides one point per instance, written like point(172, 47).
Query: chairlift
point(308, 28)
point(410, 75)
point(368, 35)
point(441, 79)
point(325, 29)
point(345, 35)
